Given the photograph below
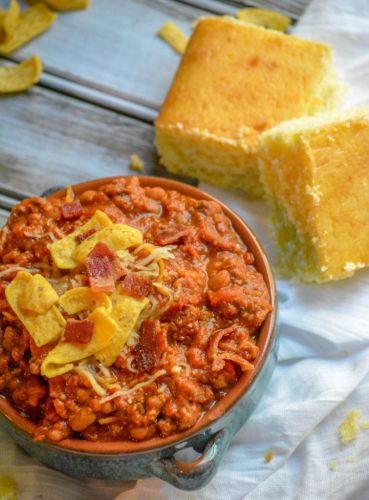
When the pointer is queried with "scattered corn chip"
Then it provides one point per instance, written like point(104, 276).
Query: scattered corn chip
point(20, 77)
point(116, 237)
point(9, 20)
point(8, 487)
point(136, 163)
point(263, 17)
point(60, 359)
point(174, 36)
point(38, 295)
point(84, 299)
point(62, 250)
point(268, 457)
point(64, 5)
point(43, 328)
point(125, 312)
point(31, 23)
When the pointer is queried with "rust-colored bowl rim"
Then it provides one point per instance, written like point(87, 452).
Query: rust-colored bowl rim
point(265, 338)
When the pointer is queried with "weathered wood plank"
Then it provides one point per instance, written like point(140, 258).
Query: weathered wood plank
point(3, 216)
point(49, 139)
point(110, 54)
point(6, 202)
point(292, 8)
point(112, 47)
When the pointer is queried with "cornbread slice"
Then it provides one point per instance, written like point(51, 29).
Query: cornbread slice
point(316, 177)
point(235, 81)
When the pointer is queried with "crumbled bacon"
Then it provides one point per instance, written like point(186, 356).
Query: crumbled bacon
point(216, 338)
point(219, 361)
point(170, 234)
point(83, 236)
point(136, 285)
point(147, 349)
point(71, 210)
point(78, 331)
point(103, 268)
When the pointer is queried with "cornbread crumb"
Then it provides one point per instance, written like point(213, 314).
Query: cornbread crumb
point(8, 487)
point(268, 457)
point(174, 36)
point(349, 428)
point(350, 459)
point(364, 424)
point(136, 163)
point(333, 465)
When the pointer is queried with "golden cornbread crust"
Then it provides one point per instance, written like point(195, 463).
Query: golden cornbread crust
point(316, 178)
point(234, 82)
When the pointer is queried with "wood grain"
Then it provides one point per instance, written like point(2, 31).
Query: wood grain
point(3, 216)
point(292, 8)
point(112, 47)
point(49, 139)
point(109, 54)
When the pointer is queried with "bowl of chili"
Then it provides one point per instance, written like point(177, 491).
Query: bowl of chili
point(185, 370)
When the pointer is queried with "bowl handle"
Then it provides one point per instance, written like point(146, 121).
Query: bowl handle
point(193, 475)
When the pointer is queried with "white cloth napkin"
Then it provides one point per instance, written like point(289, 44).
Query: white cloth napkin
point(323, 366)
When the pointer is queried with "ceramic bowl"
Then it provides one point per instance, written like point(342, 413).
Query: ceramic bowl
point(211, 435)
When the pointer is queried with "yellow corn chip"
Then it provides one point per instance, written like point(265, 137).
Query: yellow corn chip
point(62, 250)
point(60, 359)
point(31, 23)
point(43, 328)
point(8, 487)
point(125, 313)
point(20, 77)
point(38, 295)
point(64, 5)
point(263, 17)
point(84, 299)
point(9, 20)
point(174, 36)
point(116, 237)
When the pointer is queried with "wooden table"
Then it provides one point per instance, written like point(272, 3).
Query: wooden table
point(105, 76)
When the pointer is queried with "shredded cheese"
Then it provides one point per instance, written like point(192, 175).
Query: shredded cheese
point(15, 269)
point(100, 391)
point(125, 392)
point(163, 289)
point(129, 365)
point(132, 339)
point(161, 270)
point(164, 252)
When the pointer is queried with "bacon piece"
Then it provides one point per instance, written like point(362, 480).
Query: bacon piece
point(170, 234)
point(83, 236)
point(136, 285)
point(103, 268)
point(225, 240)
point(215, 339)
point(219, 361)
point(71, 210)
point(147, 349)
point(78, 331)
